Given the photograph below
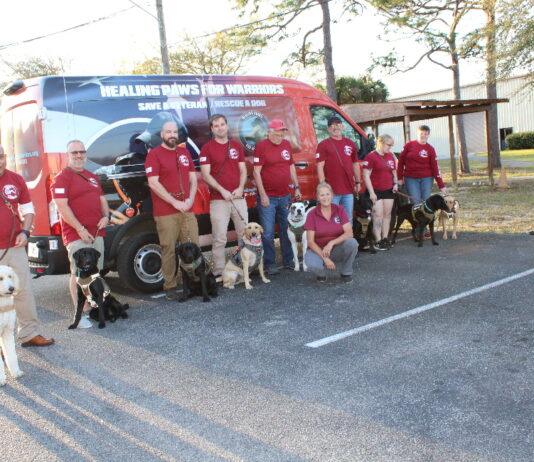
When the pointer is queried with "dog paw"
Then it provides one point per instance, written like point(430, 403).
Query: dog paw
point(453, 236)
point(248, 286)
point(124, 315)
point(73, 326)
point(101, 325)
point(266, 281)
point(182, 299)
point(2, 383)
point(296, 268)
point(435, 243)
point(305, 268)
point(445, 237)
point(17, 374)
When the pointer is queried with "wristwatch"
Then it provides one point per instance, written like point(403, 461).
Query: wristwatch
point(26, 232)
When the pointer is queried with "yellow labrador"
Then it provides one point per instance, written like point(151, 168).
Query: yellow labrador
point(454, 215)
point(248, 258)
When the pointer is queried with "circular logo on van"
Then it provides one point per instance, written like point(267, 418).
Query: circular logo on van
point(10, 191)
point(252, 129)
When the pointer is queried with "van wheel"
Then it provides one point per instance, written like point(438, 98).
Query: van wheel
point(139, 262)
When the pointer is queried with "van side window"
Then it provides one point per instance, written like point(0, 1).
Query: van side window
point(320, 116)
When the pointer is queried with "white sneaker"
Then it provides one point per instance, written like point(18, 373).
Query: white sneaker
point(84, 322)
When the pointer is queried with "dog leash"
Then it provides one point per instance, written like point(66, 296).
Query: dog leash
point(14, 227)
point(238, 213)
point(410, 197)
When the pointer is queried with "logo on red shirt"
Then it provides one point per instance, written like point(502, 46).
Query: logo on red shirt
point(391, 164)
point(423, 153)
point(347, 150)
point(10, 191)
point(93, 182)
point(233, 154)
point(285, 154)
point(337, 220)
point(184, 160)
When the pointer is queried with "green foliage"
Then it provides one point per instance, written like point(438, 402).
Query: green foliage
point(36, 67)
point(361, 90)
point(521, 140)
point(224, 53)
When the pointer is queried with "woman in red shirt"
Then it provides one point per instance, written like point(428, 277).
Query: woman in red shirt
point(331, 244)
point(380, 176)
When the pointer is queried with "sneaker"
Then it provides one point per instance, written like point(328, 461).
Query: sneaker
point(381, 245)
point(170, 294)
point(321, 278)
point(346, 277)
point(289, 266)
point(273, 270)
point(427, 235)
point(84, 322)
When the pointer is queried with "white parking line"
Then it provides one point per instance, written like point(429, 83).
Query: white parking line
point(419, 309)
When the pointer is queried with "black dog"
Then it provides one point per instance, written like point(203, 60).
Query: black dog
point(92, 287)
point(419, 216)
point(362, 226)
point(197, 277)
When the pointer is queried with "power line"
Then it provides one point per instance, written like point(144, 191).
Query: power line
point(93, 21)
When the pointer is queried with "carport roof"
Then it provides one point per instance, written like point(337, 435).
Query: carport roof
point(397, 111)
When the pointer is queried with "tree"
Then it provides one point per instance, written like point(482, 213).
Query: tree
point(515, 38)
point(364, 89)
point(287, 13)
point(436, 27)
point(223, 54)
point(36, 67)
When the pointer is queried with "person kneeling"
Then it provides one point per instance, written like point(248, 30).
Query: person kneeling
point(331, 244)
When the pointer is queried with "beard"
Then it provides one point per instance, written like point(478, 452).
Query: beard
point(170, 142)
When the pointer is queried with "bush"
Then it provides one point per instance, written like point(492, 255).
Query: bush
point(521, 140)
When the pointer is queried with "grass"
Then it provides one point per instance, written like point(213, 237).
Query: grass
point(479, 169)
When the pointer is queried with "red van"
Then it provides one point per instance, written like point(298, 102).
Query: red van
point(111, 114)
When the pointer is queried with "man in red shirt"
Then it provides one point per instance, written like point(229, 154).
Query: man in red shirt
point(222, 164)
point(274, 171)
point(173, 185)
point(337, 165)
point(84, 213)
point(15, 201)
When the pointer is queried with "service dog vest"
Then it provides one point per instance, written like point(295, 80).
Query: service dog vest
point(298, 231)
point(190, 268)
point(85, 285)
point(423, 208)
point(257, 249)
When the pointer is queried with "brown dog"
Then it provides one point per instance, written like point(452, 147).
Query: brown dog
point(453, 215)
point(248, 257)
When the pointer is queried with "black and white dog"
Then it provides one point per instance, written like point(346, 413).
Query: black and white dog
point(295, 230)
point(93, 288)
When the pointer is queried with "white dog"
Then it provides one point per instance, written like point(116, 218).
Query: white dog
point(9, 284)
point(295, 230)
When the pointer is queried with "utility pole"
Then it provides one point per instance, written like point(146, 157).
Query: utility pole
point(163, 39)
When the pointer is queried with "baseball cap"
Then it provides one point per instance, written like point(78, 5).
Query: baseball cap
point(277, 124)
point(334, 120)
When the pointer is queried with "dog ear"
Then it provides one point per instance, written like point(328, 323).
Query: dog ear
point(306, 203)
point(97, 254)
point(75, 255)
point(261, 229)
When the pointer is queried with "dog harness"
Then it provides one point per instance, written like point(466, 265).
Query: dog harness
point(257, 249)
point(85, 285)
point(364, 221)
point(190, 268)
point(298, 231)
point(452, 212)
point(424, 209)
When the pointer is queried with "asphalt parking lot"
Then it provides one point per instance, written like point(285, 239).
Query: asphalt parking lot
point(261, 376)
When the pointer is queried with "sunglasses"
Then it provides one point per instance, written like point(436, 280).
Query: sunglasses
point(78, 152)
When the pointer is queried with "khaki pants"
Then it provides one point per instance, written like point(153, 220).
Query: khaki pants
point(220, 213)
point(24, 301)
point(73, 246)
point(172, 228)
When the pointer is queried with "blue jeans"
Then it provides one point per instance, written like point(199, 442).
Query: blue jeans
point(419, 187)
point(277, 212)
point(346, 201)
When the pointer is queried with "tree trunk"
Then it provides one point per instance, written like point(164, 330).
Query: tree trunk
point(456, 94)
point(328, 64)
point(491, 83)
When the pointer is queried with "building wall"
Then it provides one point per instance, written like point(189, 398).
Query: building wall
point(518, 115)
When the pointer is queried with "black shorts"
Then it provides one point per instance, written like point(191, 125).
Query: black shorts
point(385, 194)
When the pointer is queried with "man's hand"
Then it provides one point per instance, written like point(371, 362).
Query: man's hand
point(227, 195)
point(265, 201)
point(21, 240)
point(357, 188)
point(444, 191)
point(373, 197)
point(395, 187)
point(188, 203)
point(179, 205)
point(104, 221)
point(86, 236)
point(237, 193)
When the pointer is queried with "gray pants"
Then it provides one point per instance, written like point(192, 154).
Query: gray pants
point(342, 255)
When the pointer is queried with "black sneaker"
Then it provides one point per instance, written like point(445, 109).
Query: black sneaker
point(321, 278)
point(346, 277)
point(381, 245)
point(272, 271)
point(170, 294)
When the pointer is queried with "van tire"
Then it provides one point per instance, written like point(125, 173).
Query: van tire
point(139, 262)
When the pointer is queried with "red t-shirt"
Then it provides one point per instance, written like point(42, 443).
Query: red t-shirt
point(83, 198)
point(326, 230)
point(226, 157)
point(382, 169)
point(275, 160)
point(14, 189)
point(172, 166)
point(419, 161)
point(327, 152)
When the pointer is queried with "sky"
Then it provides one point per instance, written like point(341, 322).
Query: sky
point(115, 44)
